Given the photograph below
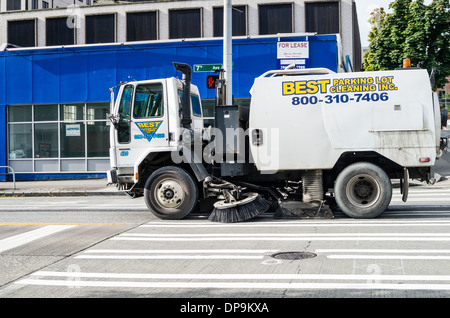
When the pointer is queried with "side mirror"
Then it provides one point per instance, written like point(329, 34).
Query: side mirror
point(114, 120)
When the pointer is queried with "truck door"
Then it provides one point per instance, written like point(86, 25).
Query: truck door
point(142, 121)
point(123, 132)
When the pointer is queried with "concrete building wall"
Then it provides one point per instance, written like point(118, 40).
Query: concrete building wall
point(79, 13)
point(28, 4)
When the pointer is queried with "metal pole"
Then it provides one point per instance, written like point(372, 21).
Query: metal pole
point(227, 50)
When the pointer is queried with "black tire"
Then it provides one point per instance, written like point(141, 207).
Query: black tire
point(170, 193)
point(363, 190)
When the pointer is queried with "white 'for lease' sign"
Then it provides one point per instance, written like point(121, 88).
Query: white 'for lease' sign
point(292, 50)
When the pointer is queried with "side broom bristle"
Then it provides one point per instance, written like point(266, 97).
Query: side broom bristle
point(240, 211)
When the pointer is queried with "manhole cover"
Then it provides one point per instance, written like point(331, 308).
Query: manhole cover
point(293, 255)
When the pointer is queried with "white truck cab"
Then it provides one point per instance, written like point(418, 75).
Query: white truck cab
point(146, 124)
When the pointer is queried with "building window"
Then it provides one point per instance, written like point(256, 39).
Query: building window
point(46, 140)
point(72, 140)
point(59, 138)
point(20, 141)
point(97, 123)
point(322, 17)
point(142, 26)
point(57, 32)
point(45, 5)
point(34, 4)
point(45, 113)
point(239, 21)
point(99, 145)
point(186, 23)
point(20, 114)
point(22, 33)
point(275, 18)
point(100, 28)
point(70, 112)
point(13, 5)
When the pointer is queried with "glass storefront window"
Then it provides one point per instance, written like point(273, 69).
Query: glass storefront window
point(20, 141)
point(46, 113)
point(72, 140)
point(71, 112)
point(19, 113)
point(46, 140)
point(97, 111)
point(98, 141)
point(59, 137)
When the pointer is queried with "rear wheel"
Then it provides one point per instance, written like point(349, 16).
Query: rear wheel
point(170, 193)
point(363, 190)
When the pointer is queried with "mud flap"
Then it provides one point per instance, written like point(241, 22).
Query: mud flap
point(301, 210)
point(404, 185)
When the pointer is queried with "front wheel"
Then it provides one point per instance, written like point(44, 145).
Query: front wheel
point(363, 190)
point(170, 193)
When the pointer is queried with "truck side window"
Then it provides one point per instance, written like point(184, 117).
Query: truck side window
point(123, 130)
point(195, 103)
point(148, 101)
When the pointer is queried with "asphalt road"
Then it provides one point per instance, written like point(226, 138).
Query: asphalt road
point(96, 247)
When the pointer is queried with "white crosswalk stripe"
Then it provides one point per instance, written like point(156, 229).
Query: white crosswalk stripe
point(30, 236)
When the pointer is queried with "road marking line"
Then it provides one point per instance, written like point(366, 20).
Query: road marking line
point(27, 237)
point(303, 223)
point(157, 223)
point(244, 276)
point(179, 251)
point(349, 250)
point(305, 238)
point(169, 257)
point(51, 224)
point(169, 254)
point(337, 224)
point(285, 235)
point(437, 199)
point(233, 285)
point(416, 257)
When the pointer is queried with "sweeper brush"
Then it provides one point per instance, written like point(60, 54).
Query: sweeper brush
point(238, 211)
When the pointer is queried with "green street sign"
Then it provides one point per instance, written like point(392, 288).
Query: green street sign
point(207, 67)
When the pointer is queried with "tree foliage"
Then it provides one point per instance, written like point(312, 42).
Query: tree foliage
point(413, 30)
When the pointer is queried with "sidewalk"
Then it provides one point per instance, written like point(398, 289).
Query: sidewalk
point(82, 187)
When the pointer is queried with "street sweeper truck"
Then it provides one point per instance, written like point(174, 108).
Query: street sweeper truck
point(312, 141)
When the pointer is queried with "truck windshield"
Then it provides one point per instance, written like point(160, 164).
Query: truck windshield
point(148, 101)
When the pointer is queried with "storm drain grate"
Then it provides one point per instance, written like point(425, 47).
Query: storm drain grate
point(293, 255)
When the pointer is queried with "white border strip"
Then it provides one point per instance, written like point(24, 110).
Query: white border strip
point(232, 285)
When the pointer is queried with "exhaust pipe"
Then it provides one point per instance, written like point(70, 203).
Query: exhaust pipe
point(186, 70)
